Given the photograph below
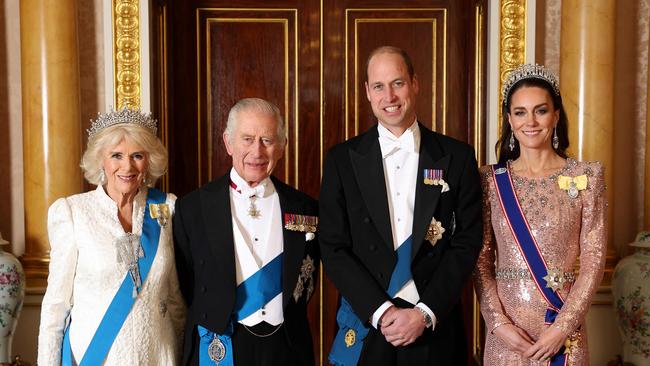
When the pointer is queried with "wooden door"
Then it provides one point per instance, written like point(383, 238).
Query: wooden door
point(308, 57)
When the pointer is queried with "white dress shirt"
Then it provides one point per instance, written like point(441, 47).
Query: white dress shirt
point(258, 240)
point(400, 157)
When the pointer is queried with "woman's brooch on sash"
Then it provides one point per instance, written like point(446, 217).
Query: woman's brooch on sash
point(572, 185)
point(434, 232)
point(434, 177)
point(304, 223)
point(306, 277)
point(129, 250)
point(161, 212)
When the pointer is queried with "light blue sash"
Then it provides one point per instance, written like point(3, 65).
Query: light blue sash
point(255, 292)
point(123, 301)
point(528, 247)
point(345, 354)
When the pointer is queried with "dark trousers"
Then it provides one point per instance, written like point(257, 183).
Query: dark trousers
point(261, 345)
point(446, 346)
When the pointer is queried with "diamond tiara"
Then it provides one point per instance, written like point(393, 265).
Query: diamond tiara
point(529, 71)
point(124, 115)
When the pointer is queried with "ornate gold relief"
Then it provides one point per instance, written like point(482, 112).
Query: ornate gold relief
point(512, 40)
point(126, 52)
point(479, 22)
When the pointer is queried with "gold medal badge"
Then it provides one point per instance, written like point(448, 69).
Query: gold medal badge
point(216, 350)
point(350, 338)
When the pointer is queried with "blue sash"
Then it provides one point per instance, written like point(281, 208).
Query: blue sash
point(123, 301)
point(255, 292)
point(345, 354)
point(528, 248)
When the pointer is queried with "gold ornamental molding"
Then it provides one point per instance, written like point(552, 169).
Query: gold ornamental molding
point(512, 41)
point(126, 53)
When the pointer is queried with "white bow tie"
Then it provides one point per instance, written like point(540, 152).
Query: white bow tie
point(257, 191)
point(389, 145)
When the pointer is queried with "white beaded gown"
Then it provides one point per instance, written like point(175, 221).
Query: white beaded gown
point(85, 275)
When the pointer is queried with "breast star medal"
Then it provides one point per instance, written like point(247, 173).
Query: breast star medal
point(554, 279)
point(434, 232)
point(305, 278)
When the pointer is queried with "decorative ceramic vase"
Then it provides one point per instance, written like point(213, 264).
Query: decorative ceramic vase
point(12, 293)
point(631, 290)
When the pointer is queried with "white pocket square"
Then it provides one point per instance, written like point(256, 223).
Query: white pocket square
point(445, 186)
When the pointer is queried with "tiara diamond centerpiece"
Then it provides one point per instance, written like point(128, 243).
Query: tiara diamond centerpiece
point(529, 71)
point(122, 116)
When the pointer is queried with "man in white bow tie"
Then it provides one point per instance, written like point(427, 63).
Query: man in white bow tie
point(245, 252)
point(400, 229)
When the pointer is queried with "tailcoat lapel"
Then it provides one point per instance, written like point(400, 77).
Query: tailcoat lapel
point(294, 242)
point(217, 221)
point(369, 173)
point(426, 196)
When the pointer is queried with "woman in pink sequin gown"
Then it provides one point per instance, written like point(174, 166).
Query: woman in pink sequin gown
point(567, 227)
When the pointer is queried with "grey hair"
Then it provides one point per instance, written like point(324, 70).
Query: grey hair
point(93, 157)
point(259, 105)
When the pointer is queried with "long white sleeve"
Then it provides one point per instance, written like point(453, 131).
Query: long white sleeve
point(58, 297)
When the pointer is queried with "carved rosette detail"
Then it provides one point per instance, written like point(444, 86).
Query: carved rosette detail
point(126, 32)
point(512, 39)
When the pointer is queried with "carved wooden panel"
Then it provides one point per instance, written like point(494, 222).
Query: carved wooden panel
point(244, 53)
point(369, 29)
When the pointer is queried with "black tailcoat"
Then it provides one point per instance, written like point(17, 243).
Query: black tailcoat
point(357, 246)
point(205, 261)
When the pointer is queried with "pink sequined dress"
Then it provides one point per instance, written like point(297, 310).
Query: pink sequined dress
point(566, 229)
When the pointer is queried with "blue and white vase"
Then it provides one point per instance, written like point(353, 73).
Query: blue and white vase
point(631, 290)
point(12, 294)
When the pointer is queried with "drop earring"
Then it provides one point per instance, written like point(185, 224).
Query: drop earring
point(102, 177)
point(511, 145)
point(556, 141)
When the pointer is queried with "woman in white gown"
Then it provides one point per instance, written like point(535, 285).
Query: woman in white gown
point(112, 296)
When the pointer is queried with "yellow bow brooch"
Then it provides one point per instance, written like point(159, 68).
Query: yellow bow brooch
point(572, 185)
point(161, 212)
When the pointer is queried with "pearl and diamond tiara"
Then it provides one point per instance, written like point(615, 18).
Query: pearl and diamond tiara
point(529, 71)
point(121, 116)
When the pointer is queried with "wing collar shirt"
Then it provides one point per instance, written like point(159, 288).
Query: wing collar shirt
point(258, 240)
point(400, 157)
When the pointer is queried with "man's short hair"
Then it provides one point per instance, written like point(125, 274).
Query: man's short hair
point(259, 105)
point(395, 50)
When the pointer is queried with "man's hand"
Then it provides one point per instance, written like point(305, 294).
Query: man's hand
point(402, 327)
point(547, 345)
point(515, 338)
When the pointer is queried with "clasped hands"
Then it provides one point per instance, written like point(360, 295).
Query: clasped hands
point(401, 326)
point(517, 340)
